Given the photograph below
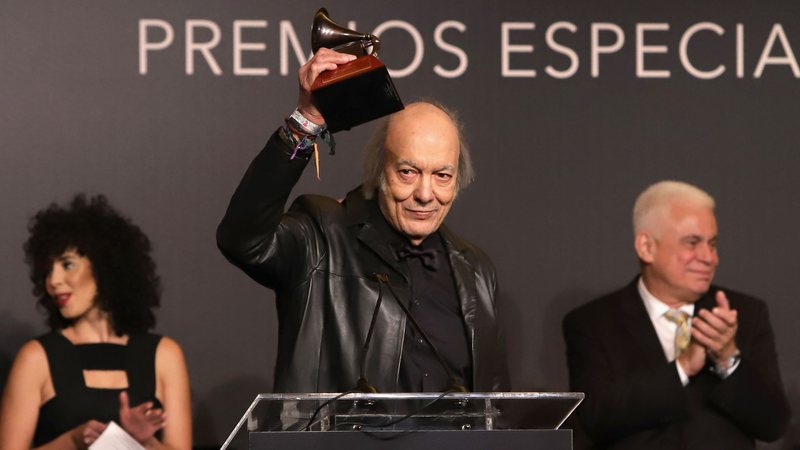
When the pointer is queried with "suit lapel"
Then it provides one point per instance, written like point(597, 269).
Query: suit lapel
point(638, 325)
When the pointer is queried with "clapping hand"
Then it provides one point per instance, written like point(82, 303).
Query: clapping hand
point(141, 421)
point(693, 359)
point(716, 330)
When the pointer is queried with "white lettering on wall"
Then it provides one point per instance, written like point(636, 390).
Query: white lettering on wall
point(739, 50)
point(766, 54)
point(146, 46)
point(642, 49)
point(574, 62)
point(204, 48)
point(684, 51)
point(566, 48)
point(289, 36)
point(419, 46)
point(597, 49)
point(506, 48)
point(239, 47)
point(463, 61)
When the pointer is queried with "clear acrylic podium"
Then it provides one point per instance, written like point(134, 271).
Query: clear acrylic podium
point(502, 420)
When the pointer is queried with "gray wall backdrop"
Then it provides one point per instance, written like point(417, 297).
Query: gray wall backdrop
point(560, 155)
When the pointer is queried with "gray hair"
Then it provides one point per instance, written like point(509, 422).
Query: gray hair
point(375, 154)
point(656, 200)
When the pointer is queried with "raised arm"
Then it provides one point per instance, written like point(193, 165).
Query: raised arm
point(247, 232)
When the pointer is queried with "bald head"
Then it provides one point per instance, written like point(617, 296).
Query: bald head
point(422, 117)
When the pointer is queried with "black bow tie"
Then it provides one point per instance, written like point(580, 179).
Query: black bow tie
point(428, 257)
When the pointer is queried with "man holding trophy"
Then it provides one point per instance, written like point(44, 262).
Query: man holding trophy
point(374, 292)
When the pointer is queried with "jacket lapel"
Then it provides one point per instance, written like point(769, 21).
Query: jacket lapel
point(370, 237)
point(361, 221)
point(638, 324)
point(464, 276)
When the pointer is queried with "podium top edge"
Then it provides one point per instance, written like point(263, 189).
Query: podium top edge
point(423, 396)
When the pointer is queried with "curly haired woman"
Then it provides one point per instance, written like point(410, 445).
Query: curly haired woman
point(93, 275)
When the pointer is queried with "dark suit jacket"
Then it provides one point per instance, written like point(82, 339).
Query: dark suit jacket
point(318, 257)
point(634, 397)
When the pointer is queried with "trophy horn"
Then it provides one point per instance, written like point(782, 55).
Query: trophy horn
point(329, 34)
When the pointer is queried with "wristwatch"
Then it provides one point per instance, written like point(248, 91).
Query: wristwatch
point(723, 369)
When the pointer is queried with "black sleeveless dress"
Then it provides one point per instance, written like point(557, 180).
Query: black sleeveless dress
point(74, 402)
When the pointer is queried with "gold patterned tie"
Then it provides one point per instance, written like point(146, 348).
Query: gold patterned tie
point(682, 333)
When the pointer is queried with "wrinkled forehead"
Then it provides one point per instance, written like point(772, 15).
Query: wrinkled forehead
point(419, 117)
point(423, 135)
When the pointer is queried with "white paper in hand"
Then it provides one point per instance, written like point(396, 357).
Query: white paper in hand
point(115, 438)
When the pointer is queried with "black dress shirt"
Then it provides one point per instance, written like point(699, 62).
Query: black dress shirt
point(436, 308)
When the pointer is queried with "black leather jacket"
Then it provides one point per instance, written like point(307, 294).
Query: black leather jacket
point(319, 257)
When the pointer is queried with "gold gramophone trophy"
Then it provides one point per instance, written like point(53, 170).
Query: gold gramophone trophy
point(355, 92)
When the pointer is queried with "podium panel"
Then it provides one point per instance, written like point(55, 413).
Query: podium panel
point(417, 440)
point(505, 420)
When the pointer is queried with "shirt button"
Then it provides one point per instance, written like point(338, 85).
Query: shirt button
point(420, 341)
point(416, 302)
point(425, 374)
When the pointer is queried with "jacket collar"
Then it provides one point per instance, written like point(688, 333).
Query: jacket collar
point(356, 208)
point(363, 217)
point(638, 322)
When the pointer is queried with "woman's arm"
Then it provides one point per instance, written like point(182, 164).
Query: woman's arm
point(22, 398)
point(172, 388)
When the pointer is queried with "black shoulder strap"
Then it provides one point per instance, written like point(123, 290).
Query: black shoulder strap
point(140, 364)
point(65, 367)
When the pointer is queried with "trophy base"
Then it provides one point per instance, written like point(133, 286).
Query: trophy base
point(355, 93)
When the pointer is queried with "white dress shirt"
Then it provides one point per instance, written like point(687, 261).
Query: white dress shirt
point(665, 328)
